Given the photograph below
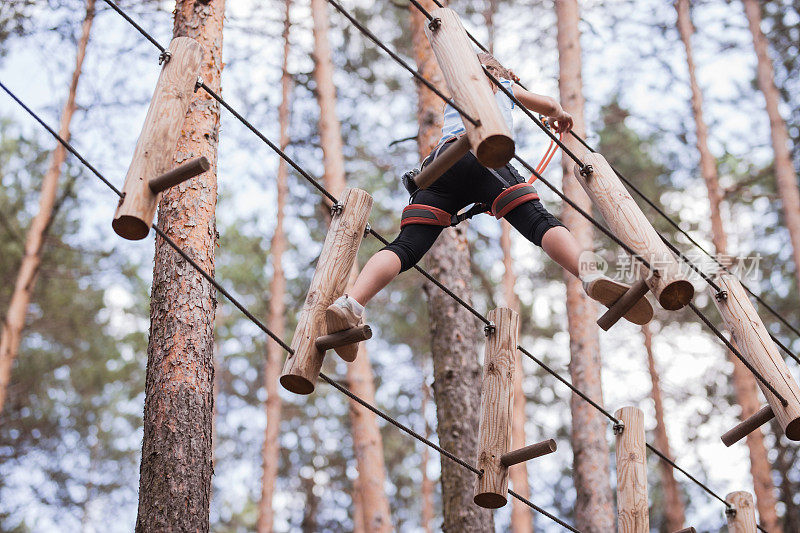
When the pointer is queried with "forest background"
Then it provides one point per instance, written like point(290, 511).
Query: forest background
point(71, 430)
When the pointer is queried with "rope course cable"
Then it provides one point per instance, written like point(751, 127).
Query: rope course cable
point(263, 327)
point(427, 275)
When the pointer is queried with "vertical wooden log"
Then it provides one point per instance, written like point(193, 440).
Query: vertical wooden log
point(752, 338)
point(742, 516)
point(632, 505)
point(497, 396)
point(301, 369)
point(158, 139)
point(470, 88)
point(627, 221)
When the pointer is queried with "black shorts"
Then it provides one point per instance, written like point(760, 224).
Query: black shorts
point(465, 183)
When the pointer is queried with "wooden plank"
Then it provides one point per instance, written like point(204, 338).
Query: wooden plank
point(343, 338)
point(747, 426)
point(528, 452)
point(471, 89)
point(753, 341)
point(434, 170)
point(742, 516)
point(184, 171)
point(632, 505)
point(158, 139)
point(672, 290)
point(301, 369)
point(497, 396)
point(623, 305)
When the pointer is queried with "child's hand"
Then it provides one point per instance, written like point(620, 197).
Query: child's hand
point(514, 77)
point(561, 121)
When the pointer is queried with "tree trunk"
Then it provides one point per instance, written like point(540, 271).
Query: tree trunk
point(785, 175)
point(594, 510)
point(11, 334)
point(455, 332)
point(276, 320)
point(522, 517)
point(175, 476)
point(367, 442)
point(674, 510)
point(744, 382)
point(426, 487)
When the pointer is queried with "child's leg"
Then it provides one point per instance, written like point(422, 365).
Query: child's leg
point(379, 271)
point(563, 248)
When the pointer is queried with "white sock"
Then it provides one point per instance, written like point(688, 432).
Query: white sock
point(357, 308)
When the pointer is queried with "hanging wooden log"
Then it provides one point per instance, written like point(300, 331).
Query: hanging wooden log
point(632, 505)
point(753, 341)
point(434, 170)
point(301, 369)
point(470, 88)
point(687, 530)
point(742, 513)
point(626, 302)
point(497, 395)
point(670, 286)
point(528, 452)
point(747, 426)
point(343, 338)
point(155, 148)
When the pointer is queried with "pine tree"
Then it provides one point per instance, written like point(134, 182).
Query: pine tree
point(175, 481)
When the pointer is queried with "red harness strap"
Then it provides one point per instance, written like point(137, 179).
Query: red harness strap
point(425, 214)
point(512, 197)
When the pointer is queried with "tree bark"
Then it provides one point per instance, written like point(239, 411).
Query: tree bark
point(175, 475)
point(674, 510)
point(744, 382)
point(14, 322)
point(785, 175)
point(426, 487)
point(522, 518)
point(276, 320)
point(455, 333)
point(367, 441)
point(594, 510)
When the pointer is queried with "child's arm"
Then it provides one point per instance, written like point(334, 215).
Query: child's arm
point(559, 119)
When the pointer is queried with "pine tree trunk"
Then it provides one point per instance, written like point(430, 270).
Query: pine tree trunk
point(674, 510)
point(456, 334)
point(594, 510)
point(14, 322)
point(175, 476)
point(784, 461)
point(785, 175)
point(522, 517)
point(367, 442)
point(744, 382)
point(426, 486)
point(276, 322)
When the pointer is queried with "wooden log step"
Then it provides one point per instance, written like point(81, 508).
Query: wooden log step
point(528, 452)
point(187, 170)
point(434, 170)
point(747, 426)
point(343, 338)
point(687, 530)
point(623, 305)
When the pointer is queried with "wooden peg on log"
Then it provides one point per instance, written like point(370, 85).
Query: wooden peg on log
point(618, 309)
point(301, 369)
point(632, 505)
point(742, 513)
point(747, 426)
point(470, 88)
point(343, 338)
point(434, 170)
point(670, 287)
point(528, 452)
point(154, 151)
point(188, 170)
point(753, 341)
point(497, 402)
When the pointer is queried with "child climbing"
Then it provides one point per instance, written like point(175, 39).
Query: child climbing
point(469, 182)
